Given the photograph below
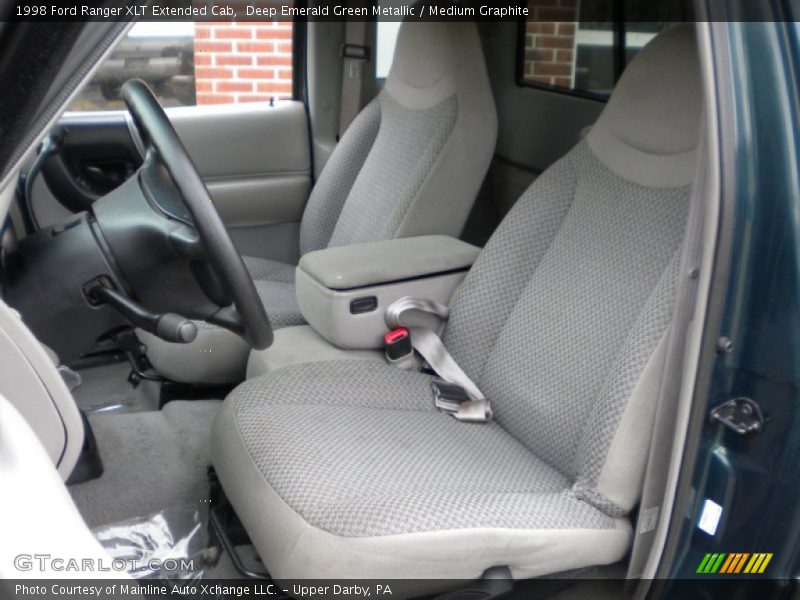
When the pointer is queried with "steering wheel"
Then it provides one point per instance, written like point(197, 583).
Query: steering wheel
point(165, 147)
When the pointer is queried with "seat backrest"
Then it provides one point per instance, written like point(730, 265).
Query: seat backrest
point(562, 320)
point(413, 160)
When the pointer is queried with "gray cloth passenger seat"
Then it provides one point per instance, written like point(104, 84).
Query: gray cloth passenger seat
point(347, 469)
point(410, 164)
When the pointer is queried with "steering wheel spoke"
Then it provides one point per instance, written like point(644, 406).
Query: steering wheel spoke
point(229, 318)
point(172, 185)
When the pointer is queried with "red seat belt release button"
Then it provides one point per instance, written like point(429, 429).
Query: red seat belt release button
point(397, 344)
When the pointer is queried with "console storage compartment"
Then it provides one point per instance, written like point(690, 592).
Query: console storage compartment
point(343, 292)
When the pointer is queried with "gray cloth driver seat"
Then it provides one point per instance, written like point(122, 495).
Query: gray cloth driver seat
point(410, 164)
point(346, 469)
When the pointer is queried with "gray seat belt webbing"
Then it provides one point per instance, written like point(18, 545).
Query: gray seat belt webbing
point(352, 74)
point(430, 346)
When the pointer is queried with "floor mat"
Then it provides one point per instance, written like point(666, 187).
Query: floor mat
point(152, 461)
point(105, 389)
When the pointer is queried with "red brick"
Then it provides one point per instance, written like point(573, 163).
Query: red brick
point(256, 73)
point(234, 86)
point(285, 75)
point(552, 69)
point(284, 47)
point(233, 59)
point(203, 46)
point(549, 41)
point(268, 87)
point(540, 27)
point(566, 29)
point(213, 73)
point(202, 60)
point(273, 61)
point(539, 54)
point(254, 98)
point(203, 86)
point(215, 99)
point(562, 81)
point(273, 34)
point(201, 32)
point(232, 33)
point(564, 56)
point(255, 47)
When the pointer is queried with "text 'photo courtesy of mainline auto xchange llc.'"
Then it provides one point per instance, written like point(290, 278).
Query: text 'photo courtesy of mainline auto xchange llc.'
point(210, 591)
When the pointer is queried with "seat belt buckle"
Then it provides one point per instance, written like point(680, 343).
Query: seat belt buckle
point(397, 345)
point(453, 399)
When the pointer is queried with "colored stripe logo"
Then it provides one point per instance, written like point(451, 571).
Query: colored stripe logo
point(732, 563)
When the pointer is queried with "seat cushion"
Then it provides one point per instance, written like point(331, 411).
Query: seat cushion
point(217, 355)
point(301, 344)
point(358, 475)
point(269, 270)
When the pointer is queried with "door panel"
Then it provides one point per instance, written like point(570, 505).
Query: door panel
point(254, 159)
point(255, 162)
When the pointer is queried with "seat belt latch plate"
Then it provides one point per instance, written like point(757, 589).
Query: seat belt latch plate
point(454, 399)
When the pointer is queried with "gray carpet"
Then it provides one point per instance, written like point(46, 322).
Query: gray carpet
point(152, 461)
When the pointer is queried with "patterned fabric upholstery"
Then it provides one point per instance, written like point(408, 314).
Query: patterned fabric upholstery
point(561, 322)
point(336, 180)
point(411, 163)
point(369, 470)
point(280, 301)
point(565, 304)
point(271, 270)
point(333, 187)
point(364, 192)
point(554, 322)
point(407, 145)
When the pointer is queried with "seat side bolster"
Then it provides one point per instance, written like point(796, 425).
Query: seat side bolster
point(621, 477)
point(333, 187)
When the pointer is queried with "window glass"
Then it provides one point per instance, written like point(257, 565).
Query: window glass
point(385, 41)
point(573, 46)
point(637, 35)
point(188, 64)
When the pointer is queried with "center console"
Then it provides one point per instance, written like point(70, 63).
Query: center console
point(344, 292)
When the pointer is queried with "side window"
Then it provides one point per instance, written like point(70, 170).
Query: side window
point(385, 41)
point(195, 64)
point(568, 46)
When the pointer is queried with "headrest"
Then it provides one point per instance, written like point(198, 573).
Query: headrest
point(428, 60)
point(649, 131)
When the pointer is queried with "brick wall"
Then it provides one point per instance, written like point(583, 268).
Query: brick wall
point(242, 61)
point(550, 42)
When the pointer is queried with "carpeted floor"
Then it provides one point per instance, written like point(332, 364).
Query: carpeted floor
point(152, 461)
